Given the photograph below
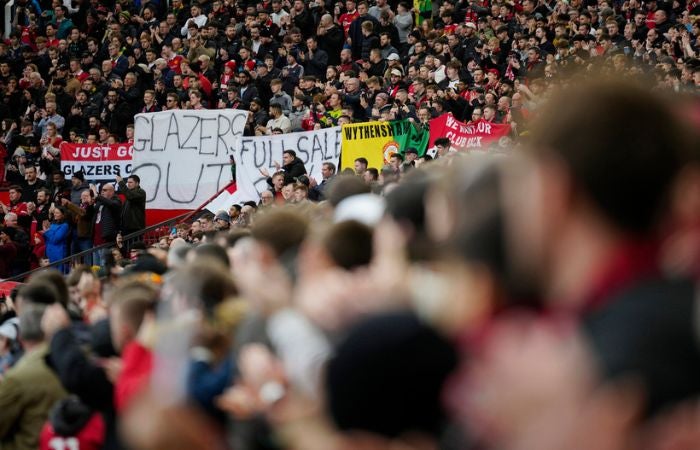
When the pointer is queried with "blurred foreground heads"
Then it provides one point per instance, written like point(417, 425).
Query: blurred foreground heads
point(512, 302)
point(586, 207)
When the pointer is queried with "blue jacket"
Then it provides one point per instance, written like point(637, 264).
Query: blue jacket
point(56, 238)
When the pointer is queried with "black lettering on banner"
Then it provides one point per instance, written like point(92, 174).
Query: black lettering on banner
point(244, 149)
point(189, 136)
point(172, 131)
point(203, 138)
point(144, 172)
point(316, 147)
point(153, 147)
point(127, 168)
point(257, 154)
point(243, 118)
point(140, 144)
point(302, 141)
point(337, 143)
point(221, 167)
point(269, 152)
point(348, 133)
point(219, 135)
point(196, 188)
point(302, 150)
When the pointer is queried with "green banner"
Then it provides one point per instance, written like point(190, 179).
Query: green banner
point(406, 134)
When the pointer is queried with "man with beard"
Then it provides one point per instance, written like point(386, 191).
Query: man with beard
point(39, 210)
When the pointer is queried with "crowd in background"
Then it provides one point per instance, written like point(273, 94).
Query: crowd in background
point(543, 300)
point(78, 72)
point(45, 222)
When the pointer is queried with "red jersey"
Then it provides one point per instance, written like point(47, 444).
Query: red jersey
point(137, 363)
point(346, 19)
point(91, 437)
point(174, 64)
point(19, 208)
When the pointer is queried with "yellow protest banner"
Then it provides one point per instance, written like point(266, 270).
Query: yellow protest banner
point(370, 140)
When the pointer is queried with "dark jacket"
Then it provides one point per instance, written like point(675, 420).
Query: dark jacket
point(108, 211)
point(80, 376)
point(134, 210)
point(355, 33)
point(293, 170)
point(332, 43)
point(318, 192)
point(29, 192)
point(317, 65)
point(368, 43)
point(648, 332)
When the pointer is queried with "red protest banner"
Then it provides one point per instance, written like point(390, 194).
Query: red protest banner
point(98, 162)
point(466, 136)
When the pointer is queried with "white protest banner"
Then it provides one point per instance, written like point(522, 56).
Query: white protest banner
point(260, 152)
point(183, 157)
point(97, 162)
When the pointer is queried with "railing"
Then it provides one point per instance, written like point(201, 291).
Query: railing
point(148, 236)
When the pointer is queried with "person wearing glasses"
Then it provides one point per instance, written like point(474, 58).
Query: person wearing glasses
point(172, 102)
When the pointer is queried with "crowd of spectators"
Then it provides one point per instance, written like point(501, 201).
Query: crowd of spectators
point(543, 300)
point(47, 222)
point(78, 71)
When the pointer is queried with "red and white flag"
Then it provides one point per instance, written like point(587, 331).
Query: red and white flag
point(224, 200)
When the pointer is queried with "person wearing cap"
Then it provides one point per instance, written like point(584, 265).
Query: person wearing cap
point(267, 45)
point(78, 185)
point(222, 221)
point(229, 72)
